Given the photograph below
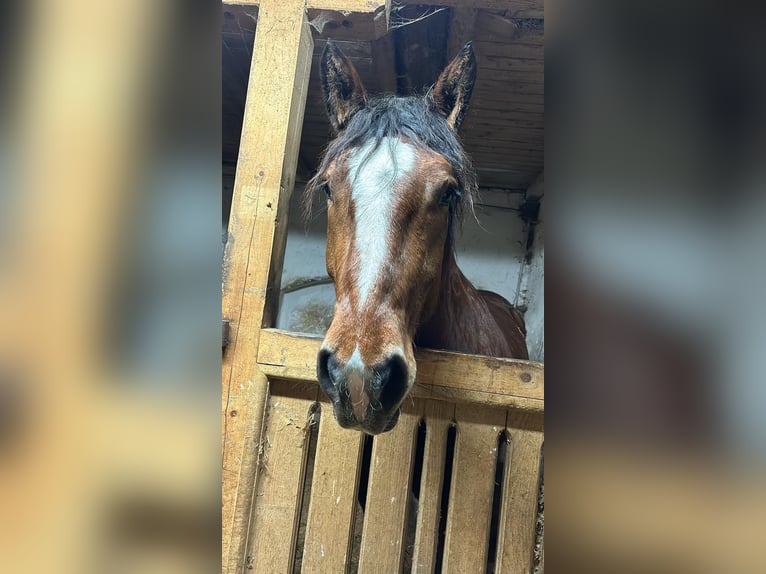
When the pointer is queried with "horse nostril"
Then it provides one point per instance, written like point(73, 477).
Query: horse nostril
point(327, 369)
point(393, 378)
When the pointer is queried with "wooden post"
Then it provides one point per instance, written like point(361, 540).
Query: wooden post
point(276, 98)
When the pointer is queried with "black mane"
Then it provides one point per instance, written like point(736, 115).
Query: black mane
point(412, 117)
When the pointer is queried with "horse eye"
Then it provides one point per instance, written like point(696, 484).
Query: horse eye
point(327, 191)
point(448, 195)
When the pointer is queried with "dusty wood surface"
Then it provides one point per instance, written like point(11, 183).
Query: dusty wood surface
point(333, 496)
point(280, 485)
point(438, 417)
point(333, 514)
point(388, 495)
point(470, 502)
point(520, 489)
point(518, 9)
point(253, 260)
point(441, 375)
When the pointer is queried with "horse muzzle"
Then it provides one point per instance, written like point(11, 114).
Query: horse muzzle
point(365, 398)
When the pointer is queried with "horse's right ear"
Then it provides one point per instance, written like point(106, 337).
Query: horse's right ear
point(344, 94)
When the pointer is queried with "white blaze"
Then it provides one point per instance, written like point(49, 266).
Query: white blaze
point(374, 174)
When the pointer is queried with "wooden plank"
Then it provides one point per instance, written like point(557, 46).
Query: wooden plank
point(388, 493)
point(530, 137)
point(511, 50)
point(493, 92)
point(497, 179)
point(524, 123)
point(350, 49)
point(360, 6)
point(516, 9)
point(514, 71)
point(253, 260)
point(383, 62)
point(438, 417)
point(516, 536)
point(356, 20)
point(508, 64)
point(333, 496)
point(280, 484)
point(493, 101)
point(473, 475)
point(441, 374)
point(501, 28)
point(461, 28)
point(501, 85)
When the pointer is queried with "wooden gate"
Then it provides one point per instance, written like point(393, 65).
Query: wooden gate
point(290, 474)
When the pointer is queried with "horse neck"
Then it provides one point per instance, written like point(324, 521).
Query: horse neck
point(460, 311)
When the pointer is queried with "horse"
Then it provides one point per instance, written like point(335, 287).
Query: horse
point(397, 182)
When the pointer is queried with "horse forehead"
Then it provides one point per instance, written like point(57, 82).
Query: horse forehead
point(381, 164)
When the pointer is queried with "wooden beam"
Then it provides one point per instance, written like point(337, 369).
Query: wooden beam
point(515, 8)
point(441, 375)
point(360, 6)
point(359, 20)
point(276, 97)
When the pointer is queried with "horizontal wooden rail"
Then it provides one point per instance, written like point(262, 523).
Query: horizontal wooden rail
point(359, 6)
point(518, 9)
point(441, 375)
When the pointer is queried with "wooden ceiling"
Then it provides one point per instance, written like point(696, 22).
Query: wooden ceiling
point(503, 130)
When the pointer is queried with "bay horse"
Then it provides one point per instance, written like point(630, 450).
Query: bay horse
point(397, 181)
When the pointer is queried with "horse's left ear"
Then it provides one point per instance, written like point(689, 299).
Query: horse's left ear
point(452, 91)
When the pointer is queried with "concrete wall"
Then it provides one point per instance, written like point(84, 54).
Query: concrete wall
point(490, 252)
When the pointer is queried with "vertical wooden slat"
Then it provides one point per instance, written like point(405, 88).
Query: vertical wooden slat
point(438, 416)
point(276, 97)
point(280, 484)
point(470, 502)
point(519, 505)
point(388, 493)
point(333, 496)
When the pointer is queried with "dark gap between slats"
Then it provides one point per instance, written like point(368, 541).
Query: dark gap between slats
point(414, 497)
point(361, 496)
point(444, 503)
point(305, 495)
point(503, 439)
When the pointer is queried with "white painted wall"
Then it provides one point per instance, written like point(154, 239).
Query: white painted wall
point(490, 252)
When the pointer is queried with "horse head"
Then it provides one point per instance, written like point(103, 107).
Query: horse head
point(395, 179)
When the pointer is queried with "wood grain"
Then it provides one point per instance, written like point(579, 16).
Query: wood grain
point(519, 504)
point(333, 496)
point(438, 417)
point(470, 502)
point(388, 494)
point(441, 375)
point(280, 484)
point(516, 9)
